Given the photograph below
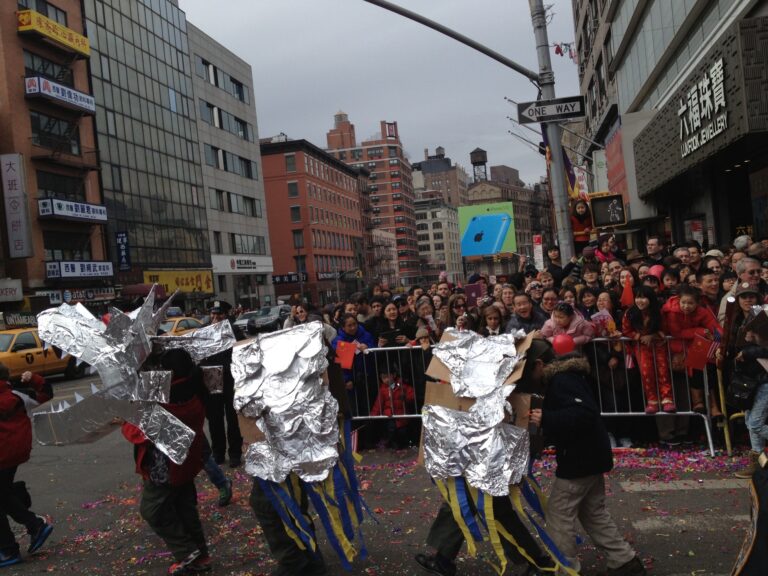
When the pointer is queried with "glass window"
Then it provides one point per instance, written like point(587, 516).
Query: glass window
point(66, 246)
point(55, 133)
point(295, 213)
point(293, 189)
point(222, 281)
point(298, 238)
point(50, 185)
point(217, 242)
point(34, 65)
point(290, 163)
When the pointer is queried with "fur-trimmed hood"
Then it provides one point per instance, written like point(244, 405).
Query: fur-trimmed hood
point(573, 362)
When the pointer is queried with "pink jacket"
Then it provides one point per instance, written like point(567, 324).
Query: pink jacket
point(581, 330)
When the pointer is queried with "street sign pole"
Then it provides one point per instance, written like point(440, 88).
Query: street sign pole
point(554, 133)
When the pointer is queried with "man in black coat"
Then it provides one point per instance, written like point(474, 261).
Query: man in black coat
point(570, 418)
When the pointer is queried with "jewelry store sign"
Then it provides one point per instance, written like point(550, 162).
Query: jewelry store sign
point(702, 110)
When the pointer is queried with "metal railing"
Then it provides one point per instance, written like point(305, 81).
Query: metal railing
point(381, 377)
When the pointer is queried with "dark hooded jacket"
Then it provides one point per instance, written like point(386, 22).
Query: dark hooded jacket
point(571, 419)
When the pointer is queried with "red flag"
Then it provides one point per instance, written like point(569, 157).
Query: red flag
point(627, 295)
point(345, 354)
point(698, 353)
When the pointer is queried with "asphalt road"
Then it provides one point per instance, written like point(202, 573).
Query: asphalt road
point(682, 511)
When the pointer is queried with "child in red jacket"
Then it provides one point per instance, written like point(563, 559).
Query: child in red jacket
point(396, 398)
point(684, 319)
point(169, 497)
point(15, 449)
point(643, 323)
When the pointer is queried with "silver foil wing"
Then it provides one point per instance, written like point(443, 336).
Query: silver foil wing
point(154, 386)
point(489, 457)
point(200, 343)
point(169, 434)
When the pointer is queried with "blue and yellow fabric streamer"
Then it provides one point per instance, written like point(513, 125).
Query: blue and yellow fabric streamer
point(469, 504)
point(336, 500)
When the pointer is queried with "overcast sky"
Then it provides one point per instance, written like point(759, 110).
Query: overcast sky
point(311, 58)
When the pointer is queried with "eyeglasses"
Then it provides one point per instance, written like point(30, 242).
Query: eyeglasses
point(459, 306)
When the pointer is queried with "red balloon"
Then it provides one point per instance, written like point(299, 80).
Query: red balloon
point(563, 344)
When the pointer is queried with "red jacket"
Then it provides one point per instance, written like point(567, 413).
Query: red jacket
point(15, 426)
point(684, 327)
point(581, 228)
point(192, 413)
point(394, 401)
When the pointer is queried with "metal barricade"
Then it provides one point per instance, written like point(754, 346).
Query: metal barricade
point(387, 383)
point(620, 388)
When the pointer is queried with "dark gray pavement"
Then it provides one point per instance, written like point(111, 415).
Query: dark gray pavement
point(683, 511)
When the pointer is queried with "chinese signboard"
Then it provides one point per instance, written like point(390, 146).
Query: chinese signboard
point(123, 251)
point(69, 97)
point(78, 269)
point(184, 280)
point(54, 296)
point(71, 210)
point(288, 278)
point(702, 111)
point(10, 290)
point(16, 211)
point(240, 264)
point(31, 21)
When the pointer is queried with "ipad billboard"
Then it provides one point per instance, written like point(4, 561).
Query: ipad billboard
point(487, 229)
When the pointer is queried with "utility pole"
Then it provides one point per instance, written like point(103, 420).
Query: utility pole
point(554, 132)
point(545, 80)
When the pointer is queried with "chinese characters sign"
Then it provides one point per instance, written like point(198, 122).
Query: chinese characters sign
point(289, 278)
point(123, 251)
point(69, 97)
point(702, 111)
point(71, 210)
point(16, 210)
point(66, 269)
point(184, 280)
point(31, 21)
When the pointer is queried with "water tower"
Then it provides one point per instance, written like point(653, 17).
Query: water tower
point(479, 158)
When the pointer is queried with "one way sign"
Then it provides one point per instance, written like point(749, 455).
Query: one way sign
point(550, 110)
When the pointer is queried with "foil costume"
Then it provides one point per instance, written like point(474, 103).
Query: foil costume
point(477, 459)
point(117, 351)
point(302, 452)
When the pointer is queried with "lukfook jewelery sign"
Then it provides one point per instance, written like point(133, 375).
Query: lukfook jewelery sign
point(702, 110)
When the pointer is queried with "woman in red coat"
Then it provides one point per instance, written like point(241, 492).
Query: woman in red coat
point(684, 319)
point(15, 448)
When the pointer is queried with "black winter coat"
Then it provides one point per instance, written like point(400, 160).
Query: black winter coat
point(571, 420)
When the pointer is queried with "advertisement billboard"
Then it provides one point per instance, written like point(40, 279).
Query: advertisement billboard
point(487, 229)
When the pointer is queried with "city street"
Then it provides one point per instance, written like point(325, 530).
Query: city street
point(683, 512)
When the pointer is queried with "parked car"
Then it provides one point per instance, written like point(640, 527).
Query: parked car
point(242, 320)
point(21, 349)
point(268, 319)
point(177, 326)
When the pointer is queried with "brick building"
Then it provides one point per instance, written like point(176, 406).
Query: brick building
point(54, 217)
point(390, 189)
point(315, 224)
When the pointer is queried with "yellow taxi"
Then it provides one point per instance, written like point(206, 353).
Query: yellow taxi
point(176, 326)
point(21, 349)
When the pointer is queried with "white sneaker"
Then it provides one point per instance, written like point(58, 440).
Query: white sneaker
point(625, 442)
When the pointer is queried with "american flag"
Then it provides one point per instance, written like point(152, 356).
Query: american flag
point(714, 346)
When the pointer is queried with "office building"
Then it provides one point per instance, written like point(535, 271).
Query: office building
point(54, 217)
point(229, 146)
point(438, 173)
point(676, 93)
point(437, 225)
point(315, 223)
point(149, 148)
point(390, 188)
